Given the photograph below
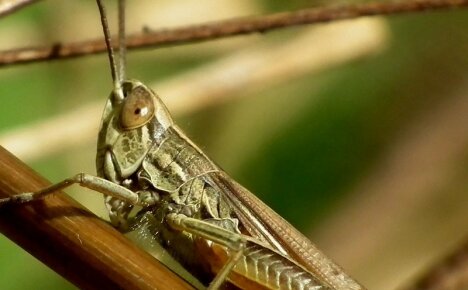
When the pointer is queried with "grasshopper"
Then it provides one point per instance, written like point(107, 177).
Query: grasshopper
point(212, 225)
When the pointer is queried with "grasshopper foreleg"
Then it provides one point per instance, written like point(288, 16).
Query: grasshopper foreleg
point(89, 181)
point(233, 241)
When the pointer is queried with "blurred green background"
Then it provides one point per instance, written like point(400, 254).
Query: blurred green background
point(355, 132)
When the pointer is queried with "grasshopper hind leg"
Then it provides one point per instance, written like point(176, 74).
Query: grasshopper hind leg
point(233, 241)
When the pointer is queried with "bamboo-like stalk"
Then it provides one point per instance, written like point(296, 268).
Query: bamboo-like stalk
point(72, 241)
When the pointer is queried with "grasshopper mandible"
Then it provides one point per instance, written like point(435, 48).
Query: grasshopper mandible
point(212, 225)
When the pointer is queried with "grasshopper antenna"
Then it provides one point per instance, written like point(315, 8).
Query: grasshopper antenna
point(122, 41)
point(116, 75)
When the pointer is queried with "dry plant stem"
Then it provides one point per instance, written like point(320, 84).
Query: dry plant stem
point(238, 26)
point(450, 273)
point(72, 241)
point(10, 6)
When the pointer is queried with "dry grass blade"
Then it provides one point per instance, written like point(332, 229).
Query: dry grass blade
point(74, 242)
point(10, 6)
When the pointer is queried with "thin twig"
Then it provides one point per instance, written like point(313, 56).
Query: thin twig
point(450, 273)
point(219, 29)
point(72, 241)
point(213, 83)
point(10, 6)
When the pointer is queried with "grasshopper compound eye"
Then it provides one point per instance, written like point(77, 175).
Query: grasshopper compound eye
point(138, 108)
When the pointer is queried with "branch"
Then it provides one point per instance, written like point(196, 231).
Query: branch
point(219, 29)
point(450, 273)
point(10, 6)
point(72, 241)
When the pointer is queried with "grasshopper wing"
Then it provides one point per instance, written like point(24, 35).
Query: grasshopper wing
point(262, 223)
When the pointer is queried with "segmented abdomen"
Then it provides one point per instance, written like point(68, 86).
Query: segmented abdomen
point(274, 271)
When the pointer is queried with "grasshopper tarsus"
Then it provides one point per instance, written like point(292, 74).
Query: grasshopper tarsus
point(17, 198)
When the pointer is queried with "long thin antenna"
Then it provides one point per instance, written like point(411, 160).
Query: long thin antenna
point(110, 51)
point(122, 41)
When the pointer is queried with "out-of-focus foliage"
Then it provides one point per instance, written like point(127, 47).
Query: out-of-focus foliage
point(350, 121)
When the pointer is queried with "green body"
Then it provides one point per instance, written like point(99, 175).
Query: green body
point(188, 202)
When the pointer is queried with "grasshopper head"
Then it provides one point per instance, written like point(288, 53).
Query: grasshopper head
point(130, 125)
